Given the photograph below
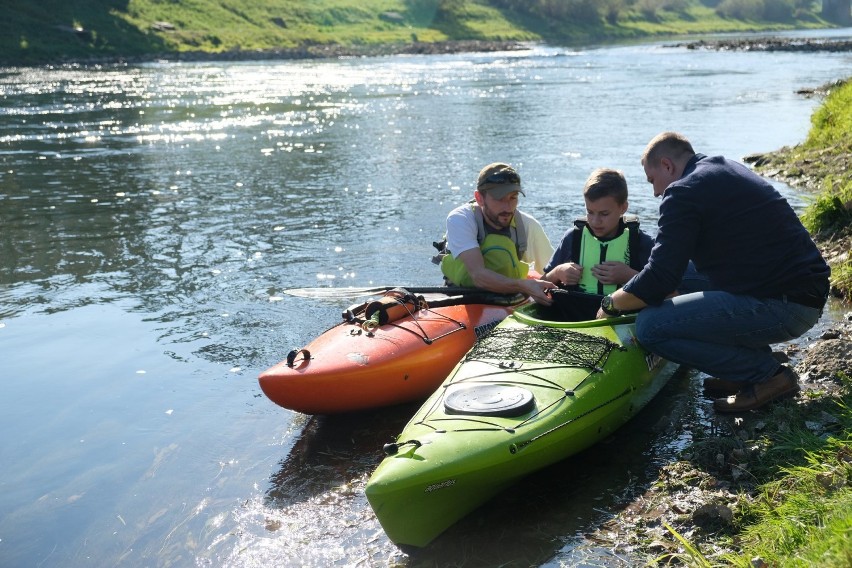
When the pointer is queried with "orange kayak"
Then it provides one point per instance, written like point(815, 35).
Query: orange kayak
point(396, 349)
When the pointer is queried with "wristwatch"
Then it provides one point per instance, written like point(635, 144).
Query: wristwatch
point(607, 307)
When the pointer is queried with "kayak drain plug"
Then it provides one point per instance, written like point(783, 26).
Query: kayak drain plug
point(393, 448)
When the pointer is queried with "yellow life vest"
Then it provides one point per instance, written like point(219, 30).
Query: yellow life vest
point(501, 253)
point(595, 251)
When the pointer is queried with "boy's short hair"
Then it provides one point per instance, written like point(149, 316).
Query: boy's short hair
point(606, 182)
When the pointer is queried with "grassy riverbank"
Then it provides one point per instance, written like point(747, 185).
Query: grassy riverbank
point(823, 165)
point(51, 31)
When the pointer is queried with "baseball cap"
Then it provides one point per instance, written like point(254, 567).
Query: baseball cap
point(499, 180)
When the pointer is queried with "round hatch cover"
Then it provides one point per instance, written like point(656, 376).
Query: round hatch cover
point(489, 400)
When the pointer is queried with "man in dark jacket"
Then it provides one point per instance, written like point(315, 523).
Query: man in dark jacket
point(768, 280)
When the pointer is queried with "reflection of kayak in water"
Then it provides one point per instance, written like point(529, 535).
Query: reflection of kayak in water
point(388, 351)
point(532, 392)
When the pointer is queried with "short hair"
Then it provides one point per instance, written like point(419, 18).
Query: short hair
point(670, 145)
point(606, 182)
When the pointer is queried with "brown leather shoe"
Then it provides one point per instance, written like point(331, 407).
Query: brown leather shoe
point(783, 384)
point(713, 385)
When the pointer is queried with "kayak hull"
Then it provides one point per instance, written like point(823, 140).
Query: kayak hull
point(348, 368)
point(446, 463)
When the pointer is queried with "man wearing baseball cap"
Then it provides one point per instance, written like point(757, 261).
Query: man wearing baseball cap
point(491, 244)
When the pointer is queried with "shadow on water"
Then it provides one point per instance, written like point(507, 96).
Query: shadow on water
point(332, 451)
point(542, 520)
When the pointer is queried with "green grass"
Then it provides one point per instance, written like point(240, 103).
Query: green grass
point(829, 141)
point(804, 517)
point(832, 121)
point(797, 511)
point(33, 32)
point(700, 19)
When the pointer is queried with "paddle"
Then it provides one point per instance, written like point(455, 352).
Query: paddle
point(358, 292)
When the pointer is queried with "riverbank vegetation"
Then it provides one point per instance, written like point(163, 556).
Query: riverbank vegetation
point(822, 164)
point(51, 31)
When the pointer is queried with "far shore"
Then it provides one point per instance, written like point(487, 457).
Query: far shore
point(334, 51)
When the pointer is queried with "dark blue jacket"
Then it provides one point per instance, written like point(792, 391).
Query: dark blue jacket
point(738, 230)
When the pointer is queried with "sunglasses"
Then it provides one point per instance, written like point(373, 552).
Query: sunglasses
point(502, 177)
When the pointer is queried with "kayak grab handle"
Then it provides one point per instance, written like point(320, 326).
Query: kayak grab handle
point(291, 357)
point(393, 448)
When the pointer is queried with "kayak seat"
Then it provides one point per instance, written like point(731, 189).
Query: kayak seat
point(573, 305)
point(489, 400)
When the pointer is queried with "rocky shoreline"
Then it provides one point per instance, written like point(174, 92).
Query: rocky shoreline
point(309, 51)
point(771, 44)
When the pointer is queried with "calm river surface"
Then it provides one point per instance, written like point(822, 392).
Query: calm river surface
point(151, 217)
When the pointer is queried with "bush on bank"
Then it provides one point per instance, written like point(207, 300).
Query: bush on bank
point(829, 216)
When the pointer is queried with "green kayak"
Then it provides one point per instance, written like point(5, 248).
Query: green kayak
point(532, 392)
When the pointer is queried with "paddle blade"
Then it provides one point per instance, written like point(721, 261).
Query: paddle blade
point(332, 293)
point(335, 292)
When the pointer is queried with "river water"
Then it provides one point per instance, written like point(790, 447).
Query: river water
point(152, 216)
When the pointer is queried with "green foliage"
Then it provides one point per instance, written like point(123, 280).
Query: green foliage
point(741, 9)
point(831, 135)
point(841, 279)
point(766, 10)
point(801, 512)
point(831, 124)
point(829, 213)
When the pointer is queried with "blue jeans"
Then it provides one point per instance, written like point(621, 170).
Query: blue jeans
point(721, 334)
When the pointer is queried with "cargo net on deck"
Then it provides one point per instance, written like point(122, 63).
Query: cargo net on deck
point(542, 343)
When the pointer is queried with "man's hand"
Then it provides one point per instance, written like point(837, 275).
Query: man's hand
point(537, 290)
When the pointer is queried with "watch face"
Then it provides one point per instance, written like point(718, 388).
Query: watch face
point(606, 305)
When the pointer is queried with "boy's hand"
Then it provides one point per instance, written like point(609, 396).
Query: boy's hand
point(611, 272)
point(567, 274)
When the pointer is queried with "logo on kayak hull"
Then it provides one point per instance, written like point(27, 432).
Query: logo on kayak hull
point(485, 328)
point(442, 485)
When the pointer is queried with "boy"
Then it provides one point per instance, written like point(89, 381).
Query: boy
point(602, 252)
